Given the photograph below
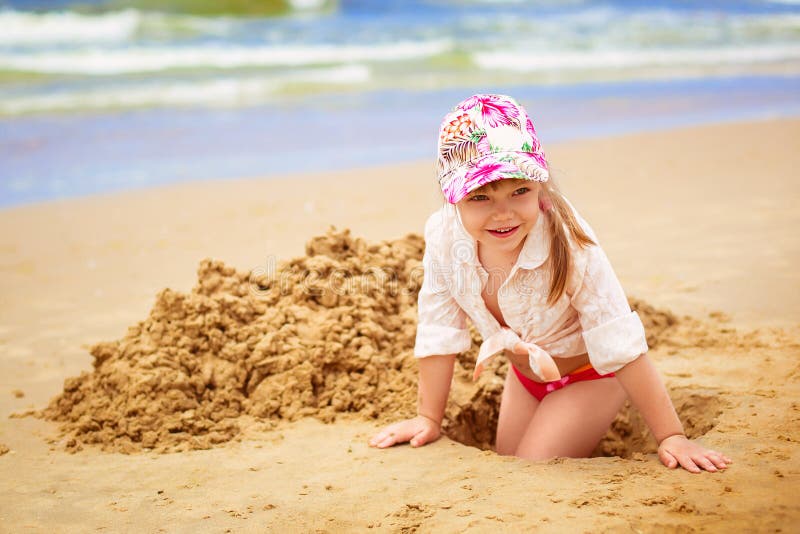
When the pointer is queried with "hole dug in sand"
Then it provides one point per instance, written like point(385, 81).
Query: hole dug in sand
point(475, 422)
point(697, 409)
point(328, 333)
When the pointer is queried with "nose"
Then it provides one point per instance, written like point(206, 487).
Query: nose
point(502, 211)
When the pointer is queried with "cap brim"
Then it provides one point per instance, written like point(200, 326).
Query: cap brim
point(490, 168)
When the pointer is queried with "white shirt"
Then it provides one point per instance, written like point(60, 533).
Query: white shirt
point(592, 316)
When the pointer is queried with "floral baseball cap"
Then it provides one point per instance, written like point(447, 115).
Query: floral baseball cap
point(484, 139)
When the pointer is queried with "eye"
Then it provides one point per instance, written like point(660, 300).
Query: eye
point(521, 191)
point(479, 197)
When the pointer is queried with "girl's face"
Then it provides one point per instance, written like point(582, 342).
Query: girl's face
point(500, 215)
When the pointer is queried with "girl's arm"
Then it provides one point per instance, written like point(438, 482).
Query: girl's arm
point(615, 340)
point(435, 377)
point(647, 392)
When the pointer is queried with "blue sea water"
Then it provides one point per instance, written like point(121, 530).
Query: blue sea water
point(102, 96)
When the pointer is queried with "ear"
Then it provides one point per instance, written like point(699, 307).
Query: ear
point(545, 204)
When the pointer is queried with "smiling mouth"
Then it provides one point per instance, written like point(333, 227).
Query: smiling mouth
point(504, 232)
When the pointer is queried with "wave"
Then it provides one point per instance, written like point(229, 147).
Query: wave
point(27, 28)
point(627, 59)
point(55, 28)
point(22, 28)
point(151, 59)
point(217, 92)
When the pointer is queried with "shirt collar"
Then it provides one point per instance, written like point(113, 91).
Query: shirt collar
point(534, 251)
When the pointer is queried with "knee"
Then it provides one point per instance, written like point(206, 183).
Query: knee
point(505, 449)
point(505, 446)
point(533, 454)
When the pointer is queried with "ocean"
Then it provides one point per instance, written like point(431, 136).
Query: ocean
point(106, 96)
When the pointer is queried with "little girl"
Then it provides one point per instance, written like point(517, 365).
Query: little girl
point(509, 252)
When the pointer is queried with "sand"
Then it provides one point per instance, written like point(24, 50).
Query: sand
point(232, 430)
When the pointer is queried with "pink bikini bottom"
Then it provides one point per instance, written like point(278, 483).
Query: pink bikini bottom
point(541, 389)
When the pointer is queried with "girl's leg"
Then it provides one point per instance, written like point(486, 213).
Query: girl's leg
point(517, 407)
point(571, 421)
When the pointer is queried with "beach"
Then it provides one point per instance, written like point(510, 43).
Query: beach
point(699, 223)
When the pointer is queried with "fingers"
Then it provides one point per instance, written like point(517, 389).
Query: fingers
point(385, 438)
point(714, 455)
point(692, 456)
point(375, 439)
point(417, 432)
point(394, 434)
point(673, 461)
point(688, 464)
point(388, 441)
point(710, 461)
point(421, 438)
point(705, 463)
point(718, 459)
point(667, 459)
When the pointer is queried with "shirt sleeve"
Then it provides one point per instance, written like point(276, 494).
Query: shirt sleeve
point(441, 322)
point(613, 334)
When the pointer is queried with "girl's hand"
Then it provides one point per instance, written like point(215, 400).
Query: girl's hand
point(419, 431)
point(692, 456)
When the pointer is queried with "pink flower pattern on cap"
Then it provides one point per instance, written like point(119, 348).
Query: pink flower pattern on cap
point(487, 138)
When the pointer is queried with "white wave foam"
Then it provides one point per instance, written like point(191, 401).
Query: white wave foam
point(307, 5)
point(22, 28)
point(219, 92)
point(142, 59)
point(42, 30)
point(619, 59)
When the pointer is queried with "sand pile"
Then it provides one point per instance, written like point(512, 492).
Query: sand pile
point(326, 333)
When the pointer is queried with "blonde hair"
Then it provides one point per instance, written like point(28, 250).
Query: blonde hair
point(561, 220)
